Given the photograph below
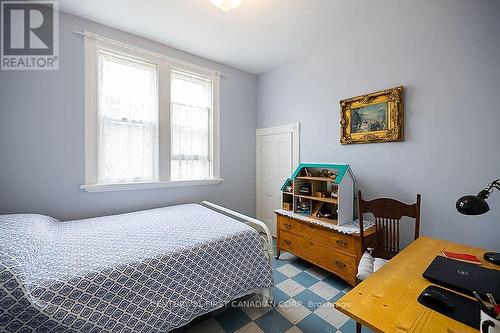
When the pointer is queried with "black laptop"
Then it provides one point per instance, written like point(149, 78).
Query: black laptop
point(464, 277)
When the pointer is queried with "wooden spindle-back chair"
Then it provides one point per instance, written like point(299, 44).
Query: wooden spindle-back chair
point(387, 213)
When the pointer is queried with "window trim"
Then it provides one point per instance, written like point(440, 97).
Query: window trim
point(92, 45)
point(149, 185)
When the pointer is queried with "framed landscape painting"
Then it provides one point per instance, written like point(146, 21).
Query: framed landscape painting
point(375, 117)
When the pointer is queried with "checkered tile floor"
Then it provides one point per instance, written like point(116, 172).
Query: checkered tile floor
point(304, 296)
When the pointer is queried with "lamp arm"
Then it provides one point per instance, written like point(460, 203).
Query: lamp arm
point(489, 189)
point(495, 184)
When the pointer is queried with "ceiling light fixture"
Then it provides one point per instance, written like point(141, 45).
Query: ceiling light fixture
point(226, 5)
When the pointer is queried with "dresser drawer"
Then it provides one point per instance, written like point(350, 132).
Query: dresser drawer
point(324, 236)
point(298, 245)
point(331, 260)
point(337, 262)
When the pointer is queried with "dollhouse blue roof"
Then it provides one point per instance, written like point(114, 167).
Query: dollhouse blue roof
point(287, 182)
point(341, 169)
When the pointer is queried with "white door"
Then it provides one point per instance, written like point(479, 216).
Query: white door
point(275, 163)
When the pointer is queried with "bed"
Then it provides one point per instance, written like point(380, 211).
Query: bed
point(146, 271)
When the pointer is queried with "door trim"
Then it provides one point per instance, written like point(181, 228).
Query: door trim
point(294, 129)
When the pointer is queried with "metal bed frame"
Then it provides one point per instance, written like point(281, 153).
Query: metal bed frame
point(265, 233)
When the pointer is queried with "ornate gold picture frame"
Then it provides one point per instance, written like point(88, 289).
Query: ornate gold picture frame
point(375, 117)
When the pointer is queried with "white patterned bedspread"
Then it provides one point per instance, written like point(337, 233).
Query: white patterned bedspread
point(147, 271)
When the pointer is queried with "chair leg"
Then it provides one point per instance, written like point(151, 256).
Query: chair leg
point(358, 327)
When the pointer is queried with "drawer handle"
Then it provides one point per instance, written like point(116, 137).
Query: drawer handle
point(287, 242)
point(288, 226)
point(311, 243)
point(341, 242)
point(340, 264)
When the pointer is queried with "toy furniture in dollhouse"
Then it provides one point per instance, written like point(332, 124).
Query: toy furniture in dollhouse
point(317, 199)
point(322, 191)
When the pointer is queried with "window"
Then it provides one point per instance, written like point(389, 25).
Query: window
point(127, 119)
point(150, 121)
point(191, 104)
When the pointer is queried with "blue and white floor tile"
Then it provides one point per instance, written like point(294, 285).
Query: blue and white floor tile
point(304, 296)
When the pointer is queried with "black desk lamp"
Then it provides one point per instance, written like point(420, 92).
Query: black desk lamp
point(477, 205)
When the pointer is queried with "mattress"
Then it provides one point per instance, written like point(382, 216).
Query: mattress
point(146, 271)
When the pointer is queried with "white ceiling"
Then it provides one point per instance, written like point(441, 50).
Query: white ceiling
point(256, 37)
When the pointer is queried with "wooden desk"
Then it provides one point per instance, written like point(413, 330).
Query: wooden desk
point(387, 300)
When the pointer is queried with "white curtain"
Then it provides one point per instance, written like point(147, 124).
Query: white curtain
point(191, 98)
point(127, 144)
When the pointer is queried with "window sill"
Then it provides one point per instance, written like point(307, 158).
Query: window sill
point(149, 185)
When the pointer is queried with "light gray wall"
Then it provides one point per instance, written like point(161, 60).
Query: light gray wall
point(41, 138)
point(447, 55)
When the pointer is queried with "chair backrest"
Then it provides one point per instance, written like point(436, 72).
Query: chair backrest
point(387, 213)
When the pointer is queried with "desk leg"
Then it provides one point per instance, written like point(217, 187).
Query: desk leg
point(358, 327)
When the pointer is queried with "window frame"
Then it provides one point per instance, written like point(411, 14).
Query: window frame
point(93, 44)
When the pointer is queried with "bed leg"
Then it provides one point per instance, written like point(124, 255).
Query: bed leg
point(278, 250)
point(267, 297)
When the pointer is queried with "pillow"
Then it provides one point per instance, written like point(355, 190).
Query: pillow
point(26, 224)
point(366, 266)
point(22, 236)
point(378, 262)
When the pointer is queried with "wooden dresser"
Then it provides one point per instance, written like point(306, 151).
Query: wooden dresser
point(332, 250)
